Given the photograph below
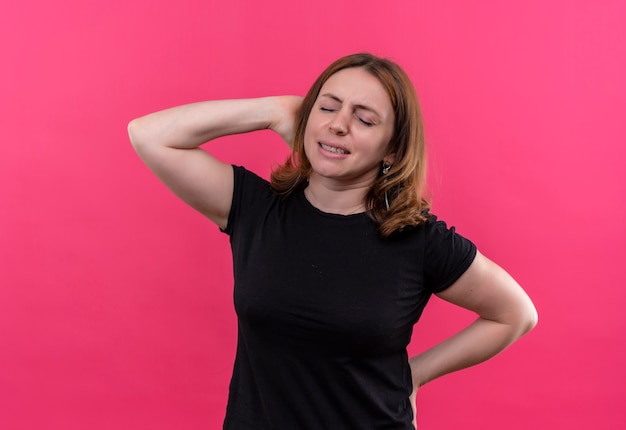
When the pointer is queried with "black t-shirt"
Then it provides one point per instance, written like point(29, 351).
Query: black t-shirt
point(325, 309)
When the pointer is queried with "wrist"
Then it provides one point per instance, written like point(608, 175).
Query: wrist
point(418, 374)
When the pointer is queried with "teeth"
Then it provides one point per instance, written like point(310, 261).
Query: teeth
point(333, 149)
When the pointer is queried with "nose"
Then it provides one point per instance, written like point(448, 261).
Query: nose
point(339, 124)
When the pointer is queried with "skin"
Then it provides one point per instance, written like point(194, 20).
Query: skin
point(168, 142)
point(346, 140)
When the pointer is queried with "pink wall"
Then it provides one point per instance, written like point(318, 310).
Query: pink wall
point(115, 298)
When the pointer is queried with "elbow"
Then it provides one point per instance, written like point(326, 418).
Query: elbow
point(533, 320)
point(134, 133)
point(527, 319)
point(141, 137)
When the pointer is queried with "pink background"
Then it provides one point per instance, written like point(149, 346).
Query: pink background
point(115, 298)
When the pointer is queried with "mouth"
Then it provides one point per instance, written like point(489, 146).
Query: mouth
point(333, 149)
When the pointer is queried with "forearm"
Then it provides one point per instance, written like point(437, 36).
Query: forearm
point(478, 342)
point(505, 314)
point(189, 126)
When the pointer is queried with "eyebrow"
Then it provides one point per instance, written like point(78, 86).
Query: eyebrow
point(358, 106)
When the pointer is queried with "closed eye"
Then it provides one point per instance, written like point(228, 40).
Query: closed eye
point(367, 123)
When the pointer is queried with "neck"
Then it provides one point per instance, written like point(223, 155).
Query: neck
point(336, 200)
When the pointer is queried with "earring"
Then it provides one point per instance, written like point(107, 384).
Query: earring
point(385, 170)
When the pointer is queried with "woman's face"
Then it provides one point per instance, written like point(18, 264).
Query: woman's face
point(349, 128)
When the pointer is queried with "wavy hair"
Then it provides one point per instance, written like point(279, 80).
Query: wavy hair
point(404, 186)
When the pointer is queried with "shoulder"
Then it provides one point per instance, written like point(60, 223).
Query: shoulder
point(250, 193)
point(243, 175)
point(448, 254)
point(248, 185)
point(438, 231)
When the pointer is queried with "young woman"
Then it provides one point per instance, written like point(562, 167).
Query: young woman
point(335, 257)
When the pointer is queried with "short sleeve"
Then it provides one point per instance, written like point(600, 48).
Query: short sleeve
point(248, 190)
point(448, 255)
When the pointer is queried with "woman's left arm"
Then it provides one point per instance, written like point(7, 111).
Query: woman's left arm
point(505, 313)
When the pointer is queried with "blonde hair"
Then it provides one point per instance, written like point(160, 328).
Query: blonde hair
point(404, 186)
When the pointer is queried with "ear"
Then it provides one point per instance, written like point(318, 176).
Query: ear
point(389, 159)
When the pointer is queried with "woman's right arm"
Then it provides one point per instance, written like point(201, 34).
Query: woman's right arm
point(169, 143)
